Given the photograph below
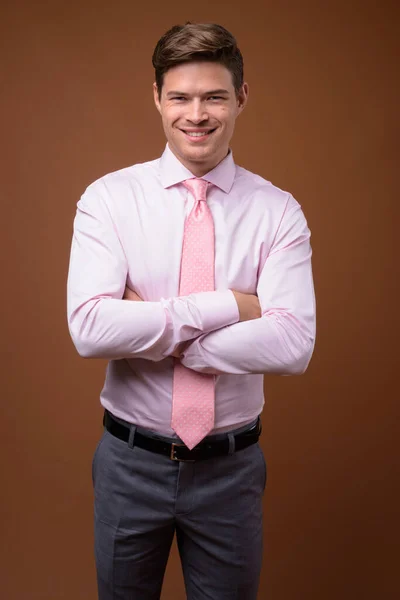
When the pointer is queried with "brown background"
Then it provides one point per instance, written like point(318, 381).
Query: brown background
point(321, 123)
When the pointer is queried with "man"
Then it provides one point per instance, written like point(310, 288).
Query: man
point(193, 277)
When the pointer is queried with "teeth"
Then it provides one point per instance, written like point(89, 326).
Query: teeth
point(196, 133)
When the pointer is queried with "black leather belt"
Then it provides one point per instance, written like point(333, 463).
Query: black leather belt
point(208, 448)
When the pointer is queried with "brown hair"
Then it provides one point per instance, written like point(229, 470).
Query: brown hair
point(197, 42)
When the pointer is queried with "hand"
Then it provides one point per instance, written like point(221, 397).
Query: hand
point(248, 305)
point(131, 295)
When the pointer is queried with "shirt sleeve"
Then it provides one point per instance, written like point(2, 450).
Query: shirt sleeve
point(282, 340)
point(101, 324)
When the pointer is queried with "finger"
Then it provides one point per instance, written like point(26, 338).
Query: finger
point(135, 297)
point(129, 295)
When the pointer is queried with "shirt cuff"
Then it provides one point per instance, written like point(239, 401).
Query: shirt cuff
point(217, 309)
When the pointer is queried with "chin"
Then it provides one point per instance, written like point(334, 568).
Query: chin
point(200, 152)
point(200, 158)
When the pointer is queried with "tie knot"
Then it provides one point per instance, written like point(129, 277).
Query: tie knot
point(198, 187)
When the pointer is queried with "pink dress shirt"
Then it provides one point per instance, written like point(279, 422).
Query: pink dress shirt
point(128, 230)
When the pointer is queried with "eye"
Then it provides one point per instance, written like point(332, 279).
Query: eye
point(178, 98)
point(215, 98)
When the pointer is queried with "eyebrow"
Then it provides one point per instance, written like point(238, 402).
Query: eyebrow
point(210, 93)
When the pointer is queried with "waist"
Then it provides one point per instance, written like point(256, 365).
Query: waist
point(145, 398)
point(211, 446)
point(217, 434)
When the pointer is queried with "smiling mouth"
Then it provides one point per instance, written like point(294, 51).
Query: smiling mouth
point(198, 134)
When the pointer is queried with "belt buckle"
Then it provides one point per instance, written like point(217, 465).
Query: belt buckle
point(172, 454)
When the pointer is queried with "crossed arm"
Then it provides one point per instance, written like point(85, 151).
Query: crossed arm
point(248, 307)
point(211, 332)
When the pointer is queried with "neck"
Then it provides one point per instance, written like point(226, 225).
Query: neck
point(198, 169)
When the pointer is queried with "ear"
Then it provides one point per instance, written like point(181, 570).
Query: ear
point(242, 97)
point(156, 98)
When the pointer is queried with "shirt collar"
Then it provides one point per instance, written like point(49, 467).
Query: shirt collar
point(172, 171)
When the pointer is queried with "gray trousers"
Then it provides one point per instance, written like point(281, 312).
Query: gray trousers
point(213, 506)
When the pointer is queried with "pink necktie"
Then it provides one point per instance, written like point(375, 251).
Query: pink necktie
point(193, 393)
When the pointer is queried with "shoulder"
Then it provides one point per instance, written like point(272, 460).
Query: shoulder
point(262, 190)
point(124, 180)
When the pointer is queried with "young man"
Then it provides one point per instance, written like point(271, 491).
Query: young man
point(193, 277)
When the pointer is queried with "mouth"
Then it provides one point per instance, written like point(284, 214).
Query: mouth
point(198, 135)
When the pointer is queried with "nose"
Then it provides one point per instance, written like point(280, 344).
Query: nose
point(197, 112)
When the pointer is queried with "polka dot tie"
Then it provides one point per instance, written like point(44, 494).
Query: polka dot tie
point(194, 393)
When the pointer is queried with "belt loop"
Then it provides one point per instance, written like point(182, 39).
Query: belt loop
point(231, 439)
point(131, 439)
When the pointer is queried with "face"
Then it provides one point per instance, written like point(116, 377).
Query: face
point(199, 107)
